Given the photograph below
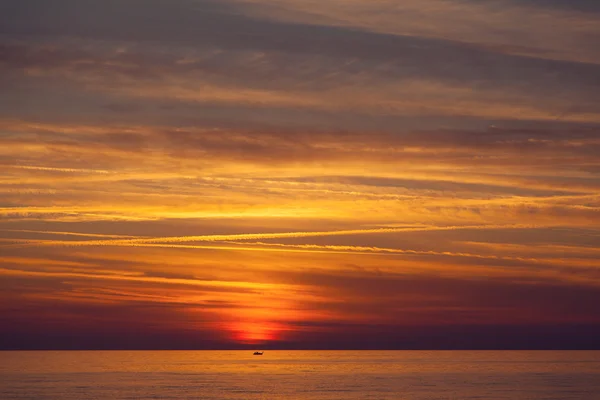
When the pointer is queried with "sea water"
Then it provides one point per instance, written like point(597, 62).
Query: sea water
point(421, 375)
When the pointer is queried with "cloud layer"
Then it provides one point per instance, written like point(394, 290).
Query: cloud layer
point(233, 173)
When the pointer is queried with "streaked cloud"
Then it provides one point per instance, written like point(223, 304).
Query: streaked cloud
point(229, 173)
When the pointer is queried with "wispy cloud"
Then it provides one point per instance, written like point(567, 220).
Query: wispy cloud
point(254, 236)
point(245, 169)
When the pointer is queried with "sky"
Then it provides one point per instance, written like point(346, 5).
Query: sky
point(299, 174)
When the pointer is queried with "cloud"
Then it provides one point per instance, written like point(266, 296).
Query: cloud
point(208, 285)
point(61, 233)
point(252, 236)
point(529, 28)
point(177, 166)
point(239, 81)
point(320, 151)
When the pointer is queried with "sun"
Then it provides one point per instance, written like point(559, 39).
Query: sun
point(249, 332)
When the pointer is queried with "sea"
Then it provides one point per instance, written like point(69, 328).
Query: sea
point(409, 375)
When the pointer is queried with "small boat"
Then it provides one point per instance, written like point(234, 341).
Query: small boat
point(258, 353)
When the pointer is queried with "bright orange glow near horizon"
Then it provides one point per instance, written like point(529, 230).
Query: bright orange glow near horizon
point(256, 332)
point(340, 174)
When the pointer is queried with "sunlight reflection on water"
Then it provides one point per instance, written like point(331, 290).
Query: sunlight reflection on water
point(300, 375)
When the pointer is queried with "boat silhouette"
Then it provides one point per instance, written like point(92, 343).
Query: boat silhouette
point(258, 353)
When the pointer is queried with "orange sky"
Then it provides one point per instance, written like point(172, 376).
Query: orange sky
point(365, 174)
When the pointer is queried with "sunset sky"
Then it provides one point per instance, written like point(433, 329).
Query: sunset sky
point(299, 174)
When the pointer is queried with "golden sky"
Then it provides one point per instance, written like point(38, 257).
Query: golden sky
point(299, 174)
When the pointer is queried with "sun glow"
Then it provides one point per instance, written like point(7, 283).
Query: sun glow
point(249, 332)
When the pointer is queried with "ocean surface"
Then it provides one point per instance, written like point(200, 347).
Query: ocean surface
point(488, 375)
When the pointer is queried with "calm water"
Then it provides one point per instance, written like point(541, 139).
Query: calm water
point(300, 375)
